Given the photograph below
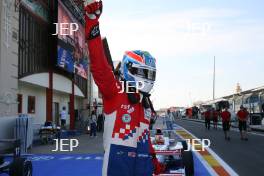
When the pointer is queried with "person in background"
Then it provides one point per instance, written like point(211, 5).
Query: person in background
point(226, 117)
point(195, 112)
point(63, 117)
point(242, 116)
point(93, 124)
point(215, 118)
point(169, 120)
point(100, 121)
point(207, 118)
point(152, 121)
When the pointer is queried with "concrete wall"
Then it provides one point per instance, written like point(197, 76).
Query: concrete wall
point(8, 67)
point(8, 58)
point(63, 100)
point(26, 90)
point(39, 117)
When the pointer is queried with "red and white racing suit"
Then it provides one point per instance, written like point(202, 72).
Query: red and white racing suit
point(127, 145)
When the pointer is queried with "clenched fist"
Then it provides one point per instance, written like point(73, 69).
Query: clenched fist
point(93, 12)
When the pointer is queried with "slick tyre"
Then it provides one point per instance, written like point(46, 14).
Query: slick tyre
point(187, 158)
point(1, 160)
point(20, 167)
point(184, 145)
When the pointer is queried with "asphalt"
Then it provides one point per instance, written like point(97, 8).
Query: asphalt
point(87, 145)
point(245, 157)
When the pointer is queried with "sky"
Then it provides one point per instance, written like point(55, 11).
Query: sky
point(184, 36)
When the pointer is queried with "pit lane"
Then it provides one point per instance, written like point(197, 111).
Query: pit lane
point(81, 165)
point(91, 164)
point(245, 157)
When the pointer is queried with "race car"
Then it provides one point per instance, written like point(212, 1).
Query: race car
point(19, 166)
point(172, 152)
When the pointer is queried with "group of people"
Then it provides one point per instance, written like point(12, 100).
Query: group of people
point(211, 114)
point(242, 116)
point(96, 123)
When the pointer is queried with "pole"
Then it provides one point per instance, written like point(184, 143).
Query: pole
point(214, 81)
point(72, 113)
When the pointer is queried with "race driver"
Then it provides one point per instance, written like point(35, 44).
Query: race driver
point(127, 146)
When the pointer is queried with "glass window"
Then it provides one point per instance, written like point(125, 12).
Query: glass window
point(254, 99)
point(19, 100)
point(31, 104)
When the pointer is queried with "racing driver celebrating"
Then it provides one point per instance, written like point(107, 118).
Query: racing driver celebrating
point(127, 145)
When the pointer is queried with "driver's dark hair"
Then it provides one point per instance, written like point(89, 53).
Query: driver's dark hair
point(158, 131)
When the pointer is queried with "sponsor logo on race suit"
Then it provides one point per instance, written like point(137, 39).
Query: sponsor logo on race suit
point(126, 118)
point(130, 109)
point(147, 113)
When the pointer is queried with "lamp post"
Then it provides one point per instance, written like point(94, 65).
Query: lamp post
point(214, 80)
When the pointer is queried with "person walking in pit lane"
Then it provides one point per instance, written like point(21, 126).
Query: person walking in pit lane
point(207, 119)
point(242, 116)
point(226, 117)
point(100, 121)
point(215, 115)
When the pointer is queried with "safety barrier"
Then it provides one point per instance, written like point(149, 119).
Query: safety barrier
point(24, 131)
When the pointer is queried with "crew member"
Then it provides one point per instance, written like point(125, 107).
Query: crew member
point(226, 117)
point(215, 118)
point(207, 118)
point(242, 116)
point(127, 145)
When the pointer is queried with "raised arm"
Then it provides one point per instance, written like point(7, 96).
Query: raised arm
point(101, 70)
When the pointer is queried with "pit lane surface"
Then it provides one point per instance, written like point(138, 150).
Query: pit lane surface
point(80, 165)
point(245, 157)
point(83, 162)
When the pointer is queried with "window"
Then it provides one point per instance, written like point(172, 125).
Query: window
point(31, 104)
point(32, 54)
point(19, 100)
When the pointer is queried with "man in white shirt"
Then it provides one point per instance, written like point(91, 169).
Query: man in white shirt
point(63, 117)
point(93, 124)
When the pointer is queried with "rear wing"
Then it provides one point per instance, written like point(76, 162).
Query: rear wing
point(168, 152)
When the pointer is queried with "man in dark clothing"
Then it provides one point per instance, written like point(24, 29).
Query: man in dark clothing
point(207, 118)
point(215, 118)
point(100, 121)
point(152, 121)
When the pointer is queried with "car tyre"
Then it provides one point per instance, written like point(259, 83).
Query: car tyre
point(1, 160)
point(187, 157)
point(21, 167)
point(184, 145)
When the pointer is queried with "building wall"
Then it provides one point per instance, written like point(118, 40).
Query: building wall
point(9, 84)
point(40, 97)
point(63, 99)
point(8, 67)
point(8, 58)
point(95, 96)
point(26, 90)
